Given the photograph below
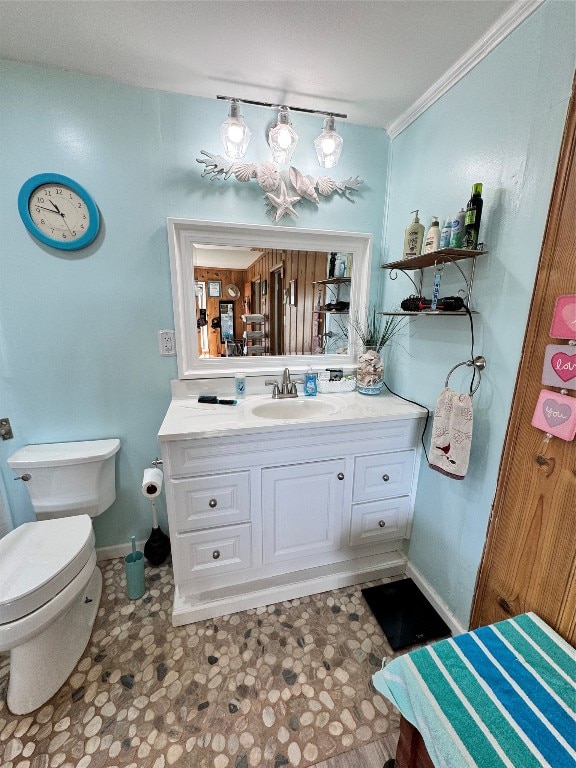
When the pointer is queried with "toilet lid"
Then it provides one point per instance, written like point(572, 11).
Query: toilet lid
point(39, 559)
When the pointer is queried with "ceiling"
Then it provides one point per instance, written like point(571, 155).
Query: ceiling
point(369, 59)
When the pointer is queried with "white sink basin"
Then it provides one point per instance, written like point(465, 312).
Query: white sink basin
point(298, 408)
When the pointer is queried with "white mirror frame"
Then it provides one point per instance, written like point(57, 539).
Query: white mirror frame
point(185, 234)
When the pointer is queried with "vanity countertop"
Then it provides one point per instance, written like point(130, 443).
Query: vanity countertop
point(187, 418)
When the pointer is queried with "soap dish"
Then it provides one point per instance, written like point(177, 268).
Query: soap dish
point(344, 385)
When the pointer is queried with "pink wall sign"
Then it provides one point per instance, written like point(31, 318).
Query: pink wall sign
point(556, 414)
point(560, 366)
point(564, 318)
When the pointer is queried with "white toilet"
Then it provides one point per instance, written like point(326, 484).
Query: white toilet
point(50, 586)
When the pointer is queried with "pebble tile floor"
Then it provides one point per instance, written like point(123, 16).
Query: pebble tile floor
point(284, 685)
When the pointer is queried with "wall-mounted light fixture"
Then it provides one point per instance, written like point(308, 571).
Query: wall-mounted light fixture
point(282, 137)
point(235, 133)
point(283, 187)
point(328, 144)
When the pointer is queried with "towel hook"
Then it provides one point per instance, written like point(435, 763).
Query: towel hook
point(478, 363)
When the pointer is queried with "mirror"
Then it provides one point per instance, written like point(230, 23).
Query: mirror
point(288, 294)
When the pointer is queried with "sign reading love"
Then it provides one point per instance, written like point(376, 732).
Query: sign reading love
point(559, 366)
point(556, 414)
point(564, 318)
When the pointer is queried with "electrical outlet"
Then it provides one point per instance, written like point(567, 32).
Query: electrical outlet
point(166, 343)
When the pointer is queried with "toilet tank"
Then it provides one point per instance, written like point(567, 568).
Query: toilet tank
point(69, 478)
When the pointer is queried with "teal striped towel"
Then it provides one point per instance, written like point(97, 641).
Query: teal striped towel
point(502, 695)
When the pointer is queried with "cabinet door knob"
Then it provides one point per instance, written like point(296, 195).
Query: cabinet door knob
point(381, 523)
point(216, 554)
point(340, 475)
point(385, 478)
point(212, 503)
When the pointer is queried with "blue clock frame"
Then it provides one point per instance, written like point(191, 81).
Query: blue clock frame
point(30, 186)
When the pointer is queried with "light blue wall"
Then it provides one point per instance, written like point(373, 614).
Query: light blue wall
point(501, 125)
point(78, 332)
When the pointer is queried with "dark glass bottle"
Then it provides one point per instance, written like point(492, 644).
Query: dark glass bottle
point(332, 265)
point(473, 217)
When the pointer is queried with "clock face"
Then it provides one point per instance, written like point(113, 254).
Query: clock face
point(59, 212)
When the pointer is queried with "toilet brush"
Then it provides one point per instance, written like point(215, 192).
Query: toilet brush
point(157, 548)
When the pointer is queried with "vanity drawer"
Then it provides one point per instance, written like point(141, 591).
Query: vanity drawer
point(205, 502)
point(383, 475)
point(379, 520)
point(205, 553)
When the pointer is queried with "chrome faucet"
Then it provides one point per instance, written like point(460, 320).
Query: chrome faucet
point(286, 389)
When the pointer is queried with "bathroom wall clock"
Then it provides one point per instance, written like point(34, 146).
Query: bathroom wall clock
point(58, 211)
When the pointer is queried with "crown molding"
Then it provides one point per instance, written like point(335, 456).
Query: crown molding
point(506, 24)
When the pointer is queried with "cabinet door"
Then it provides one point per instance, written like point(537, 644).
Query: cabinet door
point(302, 509)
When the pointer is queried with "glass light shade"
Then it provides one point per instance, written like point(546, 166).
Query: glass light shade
point(328, 145)
point(282, 138)
point(235, 133)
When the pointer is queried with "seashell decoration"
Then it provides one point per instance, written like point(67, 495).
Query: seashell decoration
point(370, 369)
point(284, 190)
point(244, 171)
point(304, 185)
point(268, 176)
point(325, 185)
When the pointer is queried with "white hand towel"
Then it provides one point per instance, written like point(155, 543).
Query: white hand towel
point(451, 434)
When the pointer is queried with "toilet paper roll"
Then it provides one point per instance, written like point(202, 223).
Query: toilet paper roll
point(152, 482)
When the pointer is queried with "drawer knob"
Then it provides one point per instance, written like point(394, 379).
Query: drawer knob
point(385, 478)
point(340, 475)
point(381, 523)
point(216, 554)
point(212, 503)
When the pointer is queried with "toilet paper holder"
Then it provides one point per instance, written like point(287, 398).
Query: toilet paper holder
point(157, 547)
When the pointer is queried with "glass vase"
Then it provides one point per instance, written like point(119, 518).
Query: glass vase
point(370, 372)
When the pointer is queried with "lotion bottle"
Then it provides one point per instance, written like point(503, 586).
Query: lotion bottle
point(445, 234)
point(413, 238)
point(433, 236)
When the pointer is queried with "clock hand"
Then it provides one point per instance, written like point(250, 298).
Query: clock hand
point(65, 222)
point(58, 213)
point(56, 207)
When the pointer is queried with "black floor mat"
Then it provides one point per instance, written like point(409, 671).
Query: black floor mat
point(404, 614)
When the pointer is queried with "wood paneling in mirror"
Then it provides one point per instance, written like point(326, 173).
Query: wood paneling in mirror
point(297, 321)
point(226, 277)
point(529, 557)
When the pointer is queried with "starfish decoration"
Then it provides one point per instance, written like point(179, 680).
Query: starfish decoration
point(282, 202)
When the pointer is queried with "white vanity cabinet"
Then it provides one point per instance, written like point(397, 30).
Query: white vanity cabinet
point(260, 515)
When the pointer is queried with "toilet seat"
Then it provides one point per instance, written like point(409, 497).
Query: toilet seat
point(38, 560)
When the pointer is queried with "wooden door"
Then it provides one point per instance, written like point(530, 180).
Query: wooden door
point(529, 557)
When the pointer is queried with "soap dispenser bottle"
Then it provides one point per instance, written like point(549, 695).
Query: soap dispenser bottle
point(413, 238)
point(433, 236)
point(310, 383)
